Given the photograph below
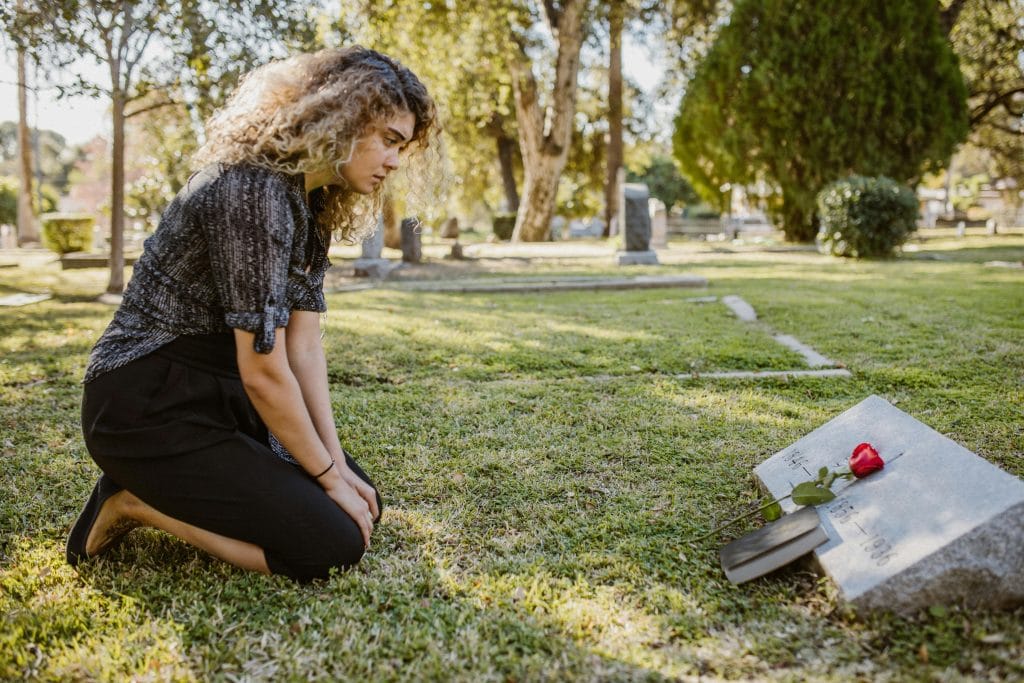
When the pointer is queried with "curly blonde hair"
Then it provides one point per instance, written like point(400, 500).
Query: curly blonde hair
point(306, 113)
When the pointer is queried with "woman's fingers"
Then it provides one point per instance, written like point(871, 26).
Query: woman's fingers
point(355, 507)
point(370, 496)
point(366, 491)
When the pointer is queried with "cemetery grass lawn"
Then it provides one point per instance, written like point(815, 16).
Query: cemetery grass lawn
point(541, 464)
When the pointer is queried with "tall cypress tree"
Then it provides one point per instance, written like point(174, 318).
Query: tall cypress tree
point(799, 93)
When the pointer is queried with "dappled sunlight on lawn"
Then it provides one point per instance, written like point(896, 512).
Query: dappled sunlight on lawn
point(80, 632)
point(541, 466)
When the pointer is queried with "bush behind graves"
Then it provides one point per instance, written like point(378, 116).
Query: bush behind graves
point(67, 232)
point(865, 216)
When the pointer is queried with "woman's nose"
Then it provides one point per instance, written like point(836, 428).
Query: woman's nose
point(391, 159)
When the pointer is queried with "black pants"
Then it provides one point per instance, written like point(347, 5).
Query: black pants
point(177, 429)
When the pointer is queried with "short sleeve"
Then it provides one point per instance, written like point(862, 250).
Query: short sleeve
point(306, 289)
point(249, 231)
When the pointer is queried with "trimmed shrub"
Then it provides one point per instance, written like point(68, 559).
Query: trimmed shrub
point(865, 216)
point(67, 232)
point(503, 225)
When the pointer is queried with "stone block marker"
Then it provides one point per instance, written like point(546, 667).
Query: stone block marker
point(938, 525)
point(371, 263)
point(637, 219)
point(412, 246)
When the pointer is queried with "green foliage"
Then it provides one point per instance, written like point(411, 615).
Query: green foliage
point(166, 143)
point(864, 217)
point(503, 225)
point(9, 188)
point(8, 200)
point(65, 233)
point(665, 182)
point(55, 158)
point(988, 37)
point(797, 94)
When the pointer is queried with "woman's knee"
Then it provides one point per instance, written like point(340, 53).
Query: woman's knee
point(339, 548)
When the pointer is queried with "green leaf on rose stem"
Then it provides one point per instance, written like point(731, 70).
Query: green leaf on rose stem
point(809, 493)
point(822, 473)
point(772, 512)
point(829, 480)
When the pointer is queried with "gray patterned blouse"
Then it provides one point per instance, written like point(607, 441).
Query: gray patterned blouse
point(237, 248)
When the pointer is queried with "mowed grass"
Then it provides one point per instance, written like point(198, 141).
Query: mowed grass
point(542, 458)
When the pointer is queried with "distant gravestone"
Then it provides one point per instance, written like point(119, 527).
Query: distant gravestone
point(412, 248)
point(938, 525)
point(637, 219)
point(371, 263)
point(659, 224)
point(450, 228)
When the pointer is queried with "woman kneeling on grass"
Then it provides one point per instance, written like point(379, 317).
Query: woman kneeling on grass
point(206, 400)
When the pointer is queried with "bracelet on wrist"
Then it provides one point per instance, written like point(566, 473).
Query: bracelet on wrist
point(329, 467)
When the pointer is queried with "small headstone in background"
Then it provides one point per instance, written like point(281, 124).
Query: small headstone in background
point(937, 525)
point(450, 228)
point(637, 219)
point(412, 249)
point(659, 224)
point(370, 263)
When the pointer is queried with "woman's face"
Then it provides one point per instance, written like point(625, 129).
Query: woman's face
point(377, 152)
point(374, 156)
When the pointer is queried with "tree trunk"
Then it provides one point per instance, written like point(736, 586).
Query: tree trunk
point(28, 233)
point(611, 188)
point(392, 223)
point(545, 151)
point(506, 155)
point(116, 285)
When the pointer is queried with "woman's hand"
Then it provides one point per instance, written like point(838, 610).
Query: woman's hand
point(349, 499)
point(366, 492)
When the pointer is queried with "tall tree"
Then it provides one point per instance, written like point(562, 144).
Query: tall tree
point(988, 37)
point(28, 231)
point(799, 94)
point(145, 45)
point(545, 129)
point(616, 19)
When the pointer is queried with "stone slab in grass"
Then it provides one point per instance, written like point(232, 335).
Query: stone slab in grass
point(23, 299)
point(938, 525)
point(87, 260)
point(559, 284)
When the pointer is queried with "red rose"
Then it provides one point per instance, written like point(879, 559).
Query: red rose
point(864, 460)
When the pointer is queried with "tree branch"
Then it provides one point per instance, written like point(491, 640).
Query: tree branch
point(979, 112)
point(150, 107)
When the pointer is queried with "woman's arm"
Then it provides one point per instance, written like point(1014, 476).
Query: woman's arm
point(276, 393)
point(307, 361)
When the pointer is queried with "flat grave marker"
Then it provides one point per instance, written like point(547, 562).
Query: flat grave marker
point(938, 525)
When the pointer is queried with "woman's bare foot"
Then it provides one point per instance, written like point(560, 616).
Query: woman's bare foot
point(118, 516)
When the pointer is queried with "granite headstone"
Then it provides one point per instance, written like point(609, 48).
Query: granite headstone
point(938, 525)
point(371, 263)
point(659, 224)
point(412, 246)
point(637, 219)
